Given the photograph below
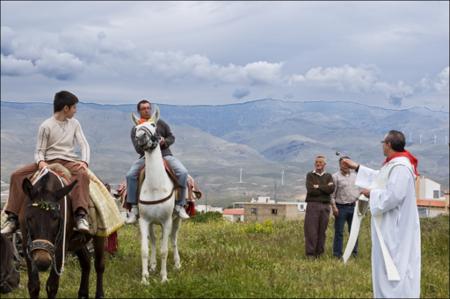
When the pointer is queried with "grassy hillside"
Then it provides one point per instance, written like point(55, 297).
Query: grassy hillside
point(221, 259)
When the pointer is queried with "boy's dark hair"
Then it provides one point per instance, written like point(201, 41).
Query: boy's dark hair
point(396, 139)
point(138, 107)
point(63, 99)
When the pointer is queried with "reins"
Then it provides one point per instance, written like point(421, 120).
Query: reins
point(45, 244)
point(154, 202)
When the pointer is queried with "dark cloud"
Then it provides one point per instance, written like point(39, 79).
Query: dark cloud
point(395, 101)
point(240, 93)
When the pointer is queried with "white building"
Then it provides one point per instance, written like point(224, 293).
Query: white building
point(234, 215)
point(429, 189)
point(431, 201)
point(208, 208)
point(262, 199)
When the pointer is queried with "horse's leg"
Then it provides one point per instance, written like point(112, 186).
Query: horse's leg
point(174, 235)
point(153, 249)
point(144, 227)
point(99, 251)
point(166, 229)
point(34, 284)
point(85, 265)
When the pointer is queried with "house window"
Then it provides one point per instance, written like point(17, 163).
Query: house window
point(274, 211)
point(436, 193)
point(254, 211)
point(423, 212)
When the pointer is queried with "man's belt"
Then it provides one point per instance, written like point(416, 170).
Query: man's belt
point(346, 204)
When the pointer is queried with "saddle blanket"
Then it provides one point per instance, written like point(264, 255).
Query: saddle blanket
point(103, 215)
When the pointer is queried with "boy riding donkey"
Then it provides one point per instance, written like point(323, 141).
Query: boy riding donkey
point(55, 144)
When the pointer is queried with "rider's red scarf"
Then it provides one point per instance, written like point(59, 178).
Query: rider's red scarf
point(142, 120)
point(408, 155)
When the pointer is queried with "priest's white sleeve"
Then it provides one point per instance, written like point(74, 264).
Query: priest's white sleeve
point(383, 200)
point(365, 177)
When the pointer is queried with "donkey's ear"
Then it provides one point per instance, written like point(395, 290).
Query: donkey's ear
point(65, 190)
point(27, 187)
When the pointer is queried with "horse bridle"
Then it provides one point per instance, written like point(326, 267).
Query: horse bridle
point(153, 139)
point(43, 244)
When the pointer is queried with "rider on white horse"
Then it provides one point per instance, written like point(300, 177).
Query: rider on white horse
point(166, 140)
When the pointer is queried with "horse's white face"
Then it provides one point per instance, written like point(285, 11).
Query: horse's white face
point(146, 136)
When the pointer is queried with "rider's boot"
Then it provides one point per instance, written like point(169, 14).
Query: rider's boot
point(132, 215)
point(181, 211)
point(11, 224)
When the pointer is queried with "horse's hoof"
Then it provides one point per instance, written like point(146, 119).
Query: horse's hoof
point(144, 281)
point(164, 280)
point(153, 268)
point(178, 266)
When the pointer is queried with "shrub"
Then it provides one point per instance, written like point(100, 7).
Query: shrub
point(207, 217)
point(265, 228)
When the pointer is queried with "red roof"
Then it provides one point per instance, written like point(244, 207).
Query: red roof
point(431, 203)
point(237, 212)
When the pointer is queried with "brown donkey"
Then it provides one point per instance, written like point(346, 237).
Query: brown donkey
point(47, 225)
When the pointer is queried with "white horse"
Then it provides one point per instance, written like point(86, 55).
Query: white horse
point(156, 200)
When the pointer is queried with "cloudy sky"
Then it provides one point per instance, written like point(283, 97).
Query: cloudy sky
point(390, 54)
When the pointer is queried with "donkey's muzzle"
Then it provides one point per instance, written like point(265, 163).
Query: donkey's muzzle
point(42, 261)
point(42, 253)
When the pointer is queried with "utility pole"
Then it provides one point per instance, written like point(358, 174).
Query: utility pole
point(275, 191)
point(240, 175)
point(282, 177)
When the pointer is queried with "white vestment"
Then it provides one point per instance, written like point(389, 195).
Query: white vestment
point(393, 202)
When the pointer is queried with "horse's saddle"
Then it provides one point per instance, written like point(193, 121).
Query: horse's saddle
point(193, 192)
point(103, 214)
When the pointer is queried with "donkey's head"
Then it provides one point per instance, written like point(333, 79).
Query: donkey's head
point(146, 136)
point(43, 219)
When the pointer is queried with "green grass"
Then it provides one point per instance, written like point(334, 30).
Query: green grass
point(221, 259)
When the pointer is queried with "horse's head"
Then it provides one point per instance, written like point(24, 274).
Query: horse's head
point(43, 220)
point(146, 136)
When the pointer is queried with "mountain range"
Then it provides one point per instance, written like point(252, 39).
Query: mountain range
point(263, 137)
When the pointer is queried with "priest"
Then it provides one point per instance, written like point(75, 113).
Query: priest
point(396, 257)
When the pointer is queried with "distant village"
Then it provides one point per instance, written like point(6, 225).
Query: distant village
point(431, 202)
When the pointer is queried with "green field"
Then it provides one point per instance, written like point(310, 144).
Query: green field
point(221, 259)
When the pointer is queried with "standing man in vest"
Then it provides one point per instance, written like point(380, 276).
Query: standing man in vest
point(55, 144)
point(343, 202)
point(166, 140)
point(319, 186)
point(395, 219)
